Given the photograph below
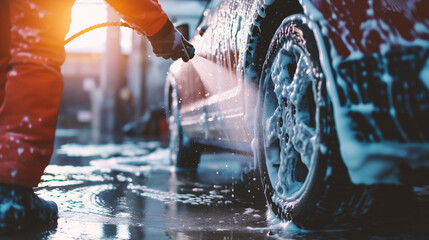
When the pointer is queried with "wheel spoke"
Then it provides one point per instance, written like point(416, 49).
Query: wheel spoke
point(272, 139)
point(286, 173)
point(272, 129)
point(303, 141)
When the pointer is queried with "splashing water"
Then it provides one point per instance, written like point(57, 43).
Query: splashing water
point(208, 72)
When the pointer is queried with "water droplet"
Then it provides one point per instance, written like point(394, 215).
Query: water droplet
point(20, 151)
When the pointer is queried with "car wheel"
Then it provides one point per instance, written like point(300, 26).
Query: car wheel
point(303, 175)
point(184, 153)
point(289, 121)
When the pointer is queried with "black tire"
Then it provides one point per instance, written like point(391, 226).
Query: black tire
point(184, 153)
point(307, 182)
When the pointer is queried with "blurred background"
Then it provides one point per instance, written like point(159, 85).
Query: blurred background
point(111, 74)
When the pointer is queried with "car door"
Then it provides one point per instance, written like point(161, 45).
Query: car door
point(207, 71)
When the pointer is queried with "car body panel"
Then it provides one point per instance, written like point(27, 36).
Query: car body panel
point(220, 56)
point(360, 28)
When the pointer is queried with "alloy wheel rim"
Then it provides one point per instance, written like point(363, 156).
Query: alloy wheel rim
point(289, 121)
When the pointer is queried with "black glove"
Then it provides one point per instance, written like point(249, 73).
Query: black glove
point(169, 43)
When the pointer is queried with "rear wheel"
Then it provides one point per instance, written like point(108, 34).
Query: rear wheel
point(302, 171)
point(184, 153)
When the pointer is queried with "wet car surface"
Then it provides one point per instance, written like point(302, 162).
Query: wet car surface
point(127, 189)
point(331, 97)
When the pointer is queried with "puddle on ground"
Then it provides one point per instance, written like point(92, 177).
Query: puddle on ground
point(127, 189)
point(124, 190)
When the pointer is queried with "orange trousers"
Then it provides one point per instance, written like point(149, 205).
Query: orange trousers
point(32, 36)
point(31, 53)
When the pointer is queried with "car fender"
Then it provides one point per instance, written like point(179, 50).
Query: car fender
point(368, 162)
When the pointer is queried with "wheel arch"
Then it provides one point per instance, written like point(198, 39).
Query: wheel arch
point(269, 18)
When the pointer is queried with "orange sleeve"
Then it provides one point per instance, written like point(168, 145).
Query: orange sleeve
point(146, 16)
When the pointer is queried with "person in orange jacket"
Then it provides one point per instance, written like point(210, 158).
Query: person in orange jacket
point(32, 34)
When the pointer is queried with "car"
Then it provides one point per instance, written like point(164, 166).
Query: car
point(330, 97)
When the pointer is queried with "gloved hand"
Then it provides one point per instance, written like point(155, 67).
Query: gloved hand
point(169, 43)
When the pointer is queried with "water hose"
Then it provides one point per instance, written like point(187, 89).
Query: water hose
point(100, 25)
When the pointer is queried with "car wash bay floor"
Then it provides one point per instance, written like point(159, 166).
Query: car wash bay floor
point(110, 188)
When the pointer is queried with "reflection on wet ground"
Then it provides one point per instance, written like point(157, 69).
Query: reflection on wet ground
point(126, 189)
point(121, 189)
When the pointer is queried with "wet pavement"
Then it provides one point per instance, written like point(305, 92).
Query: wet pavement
point(125, 188)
